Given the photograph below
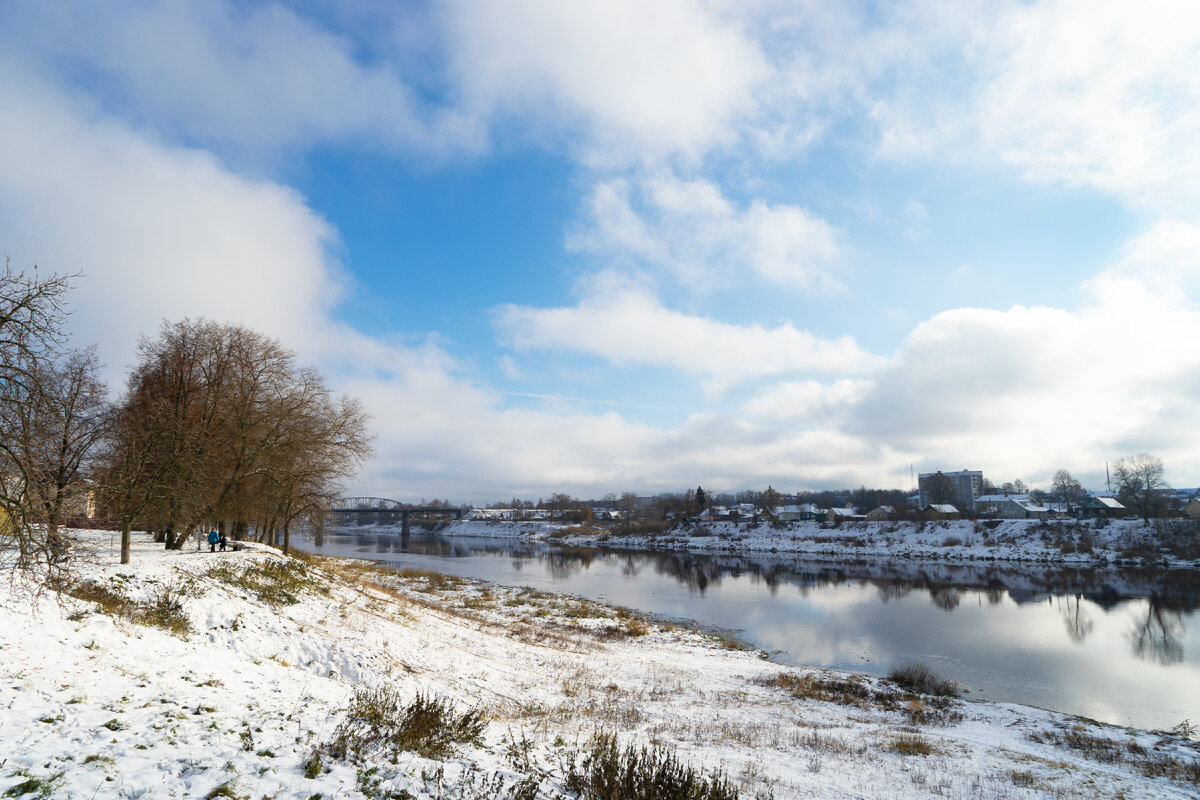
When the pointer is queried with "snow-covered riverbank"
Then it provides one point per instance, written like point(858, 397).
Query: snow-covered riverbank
point(260, 656)
point(1171, 543)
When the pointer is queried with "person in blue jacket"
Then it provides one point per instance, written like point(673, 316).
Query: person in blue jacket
point(213, 538)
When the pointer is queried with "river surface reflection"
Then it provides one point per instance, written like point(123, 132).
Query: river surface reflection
point(1111, 644)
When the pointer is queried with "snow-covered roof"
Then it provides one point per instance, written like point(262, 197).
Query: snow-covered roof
point(842, 512)
point(944, 508)
point(1110, 502)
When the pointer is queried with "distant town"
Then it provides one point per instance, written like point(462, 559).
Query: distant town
point(1137, 491)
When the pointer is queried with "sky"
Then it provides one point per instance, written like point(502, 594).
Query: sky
point(557, 246)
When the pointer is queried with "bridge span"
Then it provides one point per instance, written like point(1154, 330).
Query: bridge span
point(383, 509)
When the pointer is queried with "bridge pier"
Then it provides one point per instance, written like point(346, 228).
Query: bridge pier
point(404, 529)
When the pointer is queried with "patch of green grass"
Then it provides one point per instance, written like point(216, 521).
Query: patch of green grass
point(311, 766)
point(40, 788)
point(378, 718)
point(606, 772)
point(115, 724)
point(226, 789)
point(276, 583)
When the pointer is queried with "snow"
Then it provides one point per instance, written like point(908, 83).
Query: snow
point(119, 709)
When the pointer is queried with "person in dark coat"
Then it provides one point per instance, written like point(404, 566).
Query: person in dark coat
point(223, 540)
point(213, 538)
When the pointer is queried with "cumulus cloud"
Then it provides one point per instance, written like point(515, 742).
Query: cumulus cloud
point(631, 327)
point(1036, 388)
point(158, 231)
point(242, 78)
point(688, 230)
point(635, 81)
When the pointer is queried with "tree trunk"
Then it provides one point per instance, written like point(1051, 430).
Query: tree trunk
point(125, 525)
point(287, 541)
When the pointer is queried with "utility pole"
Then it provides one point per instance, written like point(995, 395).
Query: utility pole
point(1107, 479)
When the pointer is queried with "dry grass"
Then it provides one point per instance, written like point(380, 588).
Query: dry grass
point(916, 677)
point(378, 719)
point(163, 610)
point(912, 744)
point(276, 583)
point(604, 771)
point(852, 690)
point(1152, 764)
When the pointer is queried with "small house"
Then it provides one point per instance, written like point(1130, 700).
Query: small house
point(1101, 507)
point(881, 513)
point(941, 511)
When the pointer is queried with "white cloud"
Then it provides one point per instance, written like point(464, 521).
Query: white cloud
point(1088, 93)
point(630, 327)
point(255, 79)
point(808, 401)
point(1068, 92)
point(690, 231)
point(637, 80)
point(1038, 388)
point(157, 231)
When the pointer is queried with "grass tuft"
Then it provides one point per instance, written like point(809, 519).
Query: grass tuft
point(911, 744)
point(920, 679)
point(606, 772)
point(428, 726)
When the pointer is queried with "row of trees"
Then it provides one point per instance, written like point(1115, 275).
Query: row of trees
point(218, 425)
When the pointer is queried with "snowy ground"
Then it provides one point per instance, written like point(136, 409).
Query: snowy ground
point(95, 704)
point(1169, 543)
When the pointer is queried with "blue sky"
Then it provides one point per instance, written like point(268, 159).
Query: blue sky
point(592, 247)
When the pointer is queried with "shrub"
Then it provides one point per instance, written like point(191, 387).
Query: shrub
point(916, 677)
point(606, 772)
point(428, 726)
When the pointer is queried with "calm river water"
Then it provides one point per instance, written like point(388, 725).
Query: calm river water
point(1114, 645)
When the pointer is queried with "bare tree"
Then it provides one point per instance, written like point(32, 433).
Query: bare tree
point(1066, 489)
point(939, 489)
point(1140, 483)
point(58, 435)
point(32, 316)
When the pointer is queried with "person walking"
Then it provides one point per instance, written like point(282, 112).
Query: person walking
point(213, 538)
point(222, 540)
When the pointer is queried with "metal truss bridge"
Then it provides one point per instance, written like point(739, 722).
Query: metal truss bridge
point(383, 509)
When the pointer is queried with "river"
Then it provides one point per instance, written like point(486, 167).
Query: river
point(1114, 645)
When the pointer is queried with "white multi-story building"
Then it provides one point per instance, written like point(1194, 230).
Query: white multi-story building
point(967, 485)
